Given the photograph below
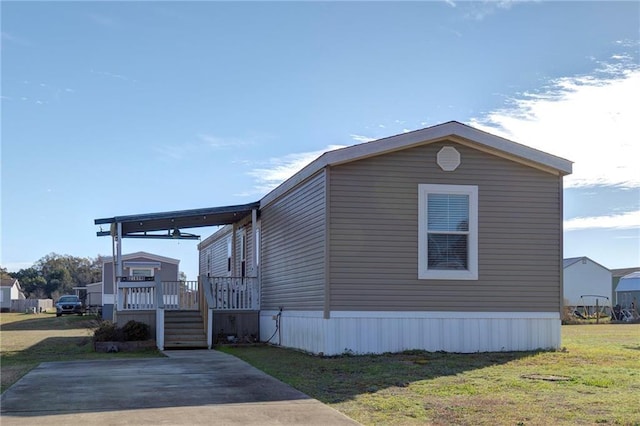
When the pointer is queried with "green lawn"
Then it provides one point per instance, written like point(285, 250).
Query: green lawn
point(595, 379)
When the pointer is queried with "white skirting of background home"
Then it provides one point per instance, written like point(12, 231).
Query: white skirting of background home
point(361, 332)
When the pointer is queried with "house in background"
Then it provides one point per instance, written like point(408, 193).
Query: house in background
point(585, 284)
point(9, 290)
point(94, 295)
point(136, 268)
point(442, 239)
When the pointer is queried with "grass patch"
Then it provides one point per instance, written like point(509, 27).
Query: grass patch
point(26, 340)
point(595, 379)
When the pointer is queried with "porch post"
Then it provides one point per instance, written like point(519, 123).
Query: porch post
point(159, 314)
point(118, 271)
point(210, 328)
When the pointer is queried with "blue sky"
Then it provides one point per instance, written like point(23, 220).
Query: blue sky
point(116, 108)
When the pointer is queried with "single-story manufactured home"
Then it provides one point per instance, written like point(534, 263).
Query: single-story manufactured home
point(443, 239)
point(136, 267)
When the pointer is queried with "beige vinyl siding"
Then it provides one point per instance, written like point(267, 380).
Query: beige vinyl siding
point(216, 250)
point(374, 234)
point(107, 278)
point(292, 248)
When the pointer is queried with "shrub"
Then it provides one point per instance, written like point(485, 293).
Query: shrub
point(134, 330)
point(107, 331)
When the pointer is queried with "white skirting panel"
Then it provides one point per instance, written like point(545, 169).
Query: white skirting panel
point(378, 332)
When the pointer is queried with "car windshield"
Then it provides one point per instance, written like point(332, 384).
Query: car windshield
point(68, 299)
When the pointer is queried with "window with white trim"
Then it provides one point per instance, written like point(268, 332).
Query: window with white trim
point(229, 248)
point(448, 232)
point(141, 272)
point(243, 252)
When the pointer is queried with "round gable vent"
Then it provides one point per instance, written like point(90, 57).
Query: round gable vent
point(448, 158)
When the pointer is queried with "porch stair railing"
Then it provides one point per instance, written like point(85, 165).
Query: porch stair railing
point(235, 293)
point(206, 295)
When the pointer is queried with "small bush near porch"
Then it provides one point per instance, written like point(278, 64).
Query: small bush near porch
point(594, 379)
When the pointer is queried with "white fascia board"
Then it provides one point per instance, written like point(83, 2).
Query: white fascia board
point(453, 130)
point(144, 255)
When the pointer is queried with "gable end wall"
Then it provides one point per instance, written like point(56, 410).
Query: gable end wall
point(374, 235)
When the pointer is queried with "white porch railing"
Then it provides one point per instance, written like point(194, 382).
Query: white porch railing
point(234, 293)
point(175, 295)
point(136, 296)
point(216, 294)
point(181, 295)
point(158, 296)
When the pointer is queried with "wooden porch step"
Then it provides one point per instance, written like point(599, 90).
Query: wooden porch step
point(184, 329)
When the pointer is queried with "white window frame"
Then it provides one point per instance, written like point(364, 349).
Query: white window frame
point(257, 245)
point(424, 273)
point(135, 268)
point(229, 255)
point(243, 253)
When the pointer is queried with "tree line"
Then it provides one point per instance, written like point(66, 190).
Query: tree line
point(57, 274)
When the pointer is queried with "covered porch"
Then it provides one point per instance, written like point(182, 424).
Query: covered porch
point(185, 313)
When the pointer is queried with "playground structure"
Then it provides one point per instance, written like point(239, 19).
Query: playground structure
point(593, 306)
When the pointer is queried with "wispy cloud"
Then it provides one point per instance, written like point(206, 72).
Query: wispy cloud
point(202, 144)
point(113, 75)
point(103, 20)
point(361, 138)
point(628, 220)
point(277, 170)
point(12, 38)
point(477, 11)
point(591, 120)
point(219, 142)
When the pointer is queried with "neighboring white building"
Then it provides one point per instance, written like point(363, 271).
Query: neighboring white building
point(9, 290)
point(583, 279)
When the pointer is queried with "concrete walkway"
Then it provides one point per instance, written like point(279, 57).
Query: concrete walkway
point(187, 388)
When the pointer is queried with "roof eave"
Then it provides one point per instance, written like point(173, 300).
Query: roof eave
point(451, 130)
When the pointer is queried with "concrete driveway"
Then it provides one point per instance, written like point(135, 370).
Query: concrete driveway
point(187, 388)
